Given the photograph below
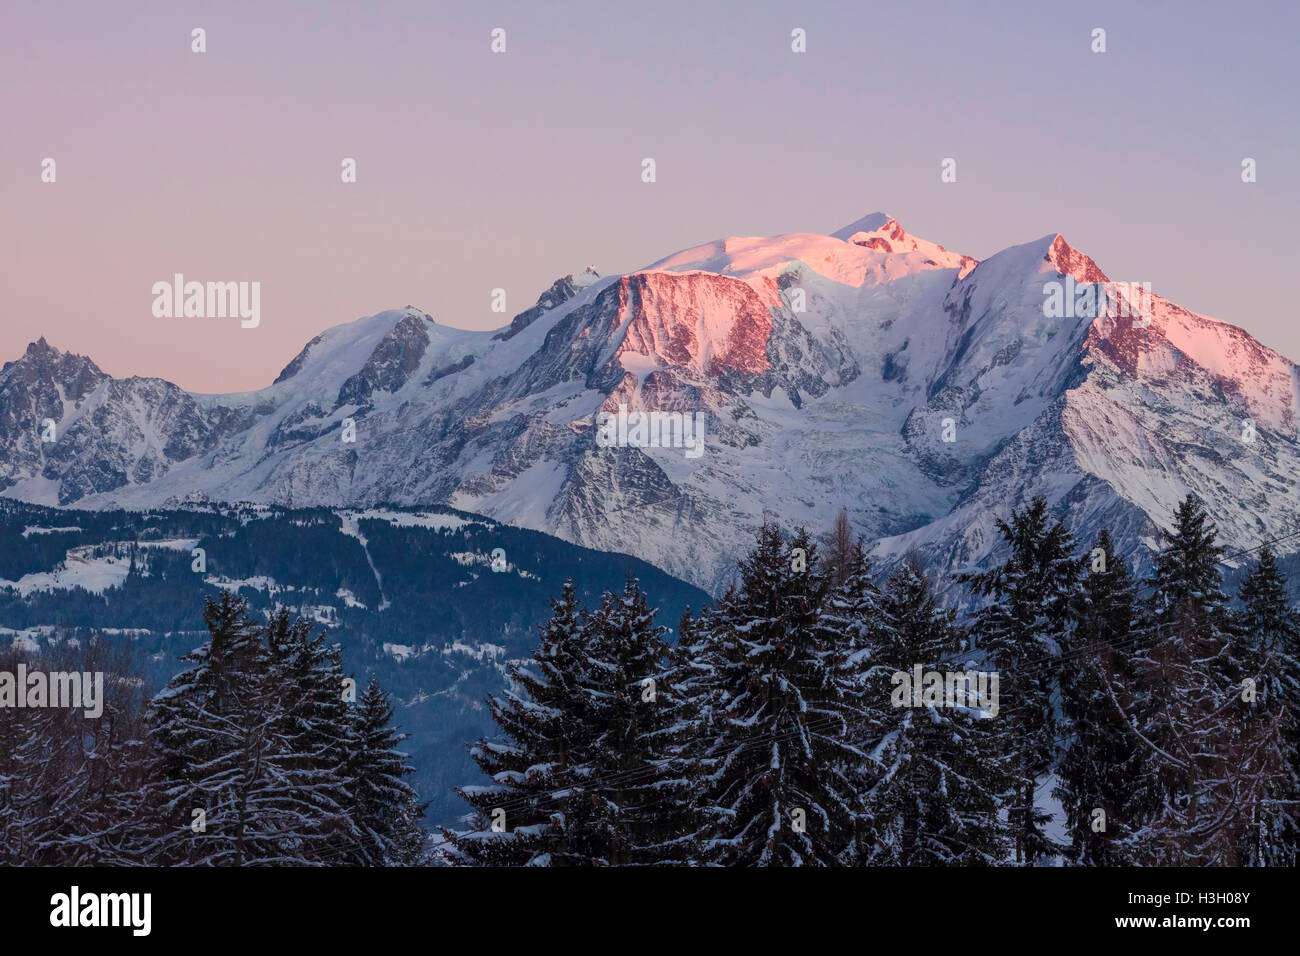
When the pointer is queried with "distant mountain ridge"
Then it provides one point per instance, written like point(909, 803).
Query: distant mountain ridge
point(432, 602)
point(831, 369)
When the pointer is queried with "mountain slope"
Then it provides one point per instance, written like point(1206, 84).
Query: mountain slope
point(434, 603)
point(924, 391)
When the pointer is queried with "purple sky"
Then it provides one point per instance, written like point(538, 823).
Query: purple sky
point(479, 170)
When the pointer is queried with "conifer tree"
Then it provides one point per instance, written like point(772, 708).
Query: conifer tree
point(638, 773)
point(1209, 764)
point(228, 780)
point(1271, 630)
point(1102, 784)
point(934, 798)
point(854, 619)
point(386, 811)
point(852, 610)
point(1021, 626)
point(315, 730)
point(211, 728)
point(244, 758)
point(779, 712)
point(525, 816)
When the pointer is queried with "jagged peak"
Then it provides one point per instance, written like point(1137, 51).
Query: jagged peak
point(1048, 253)
point(1072, 262)
point(42, 352)
point(365, 333)
point(883, 233)
point(567, 286)
point(586, 277)
point(41, 347)
point(872, 222)
point(41, 360)
point(561, 290)
point(413, 313)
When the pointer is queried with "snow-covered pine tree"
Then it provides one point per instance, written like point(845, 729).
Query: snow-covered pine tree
point(1209, 764)
point(1102, 767)
point(254, 735)
point(315, 729)
point(853, 618)
point(775, 785)
point(637, 775)
point(386, 810)
point(224, 769)
point(852, 609)
point(1271, 629)
point(1021, 626)
point(526, 816)
point(700, 705)
point(937, 774)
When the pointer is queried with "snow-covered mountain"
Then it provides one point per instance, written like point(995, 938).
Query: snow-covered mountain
point(416, 598)
point(924, 391)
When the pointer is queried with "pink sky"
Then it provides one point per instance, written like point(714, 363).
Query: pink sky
point(479, 171)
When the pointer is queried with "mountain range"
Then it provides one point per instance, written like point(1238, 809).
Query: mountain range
point(433, 603)
point(924, 391)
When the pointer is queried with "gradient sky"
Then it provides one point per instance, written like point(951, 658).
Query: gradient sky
point(479, 170)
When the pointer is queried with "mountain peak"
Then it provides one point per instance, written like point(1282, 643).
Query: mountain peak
point(586, 277)
point(562, 290)
point(41, 348)
point(882, 233)
point(1114, 420)
point(1070, 261)
point(361, 334)
point(413, 313)
point(873, 222)
point(43, 363)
